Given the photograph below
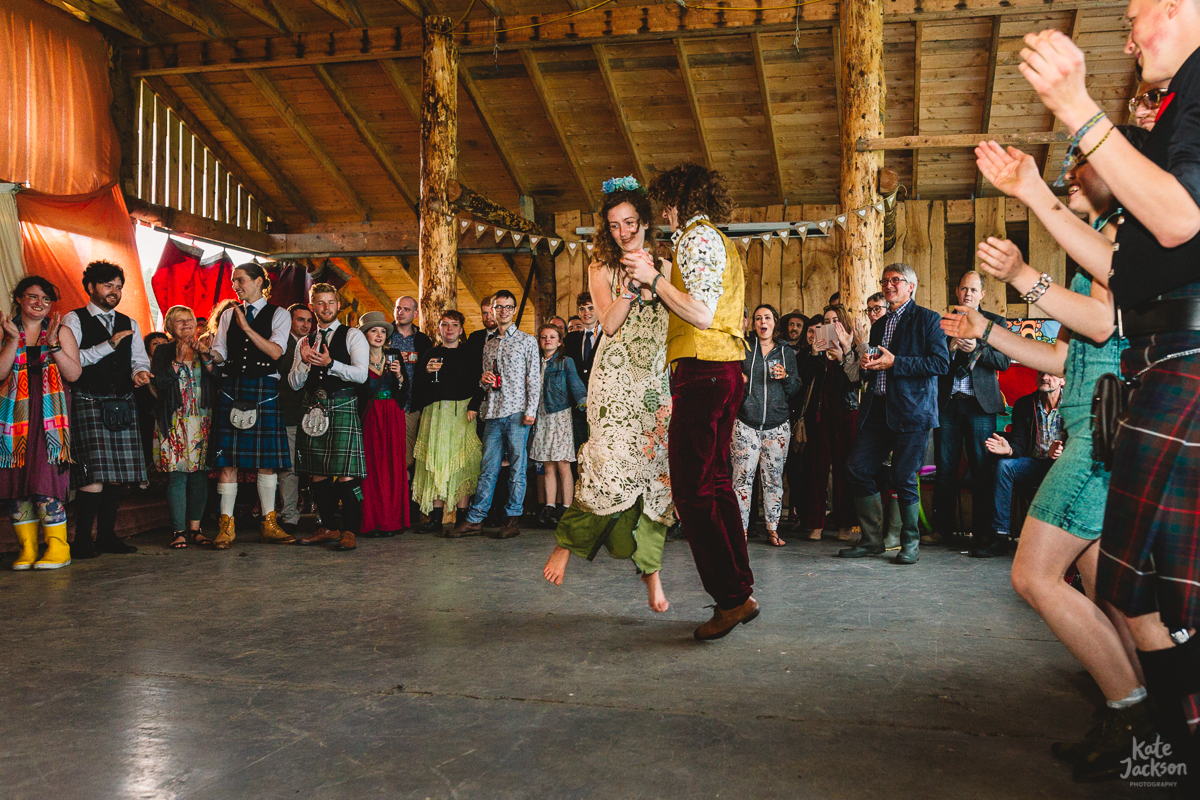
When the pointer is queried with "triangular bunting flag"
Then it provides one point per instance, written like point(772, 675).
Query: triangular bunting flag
point(554, 243)
point(823, 225)
point(533, 240)
point(744, 242)
point(879, 206)
point(766, 237)
point(572, 246)
point(862, 212)
point(890, 200)
point(841, 220)
point(802, 229)
point(480, 229)
point(499, 233)
point(463, 224)
point(517, 237)
point(589, 247)
point(783, 235)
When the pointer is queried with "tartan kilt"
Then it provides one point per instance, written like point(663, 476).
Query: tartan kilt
point(1150, 548)
point(265, 446)
point(339, 453)
point(102, 455)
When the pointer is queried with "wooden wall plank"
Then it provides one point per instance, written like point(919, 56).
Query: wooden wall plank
point(791, 274)
point(187, 143)
point(146, 145)
point(916, 250)
point(160, 155)
point(772, 264)
point(820, 262)
point(1045, 255)
point(989, 221)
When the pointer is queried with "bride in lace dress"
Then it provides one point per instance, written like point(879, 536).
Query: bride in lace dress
point(623, 498)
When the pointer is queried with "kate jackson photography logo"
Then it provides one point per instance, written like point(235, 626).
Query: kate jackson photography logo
point(1151, 765)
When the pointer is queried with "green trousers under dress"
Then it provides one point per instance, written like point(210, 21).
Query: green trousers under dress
point(626, 534)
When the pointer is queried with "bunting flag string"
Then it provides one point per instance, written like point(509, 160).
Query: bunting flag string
point(801, 230)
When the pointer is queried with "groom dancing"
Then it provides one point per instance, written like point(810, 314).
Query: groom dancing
point(705, 295)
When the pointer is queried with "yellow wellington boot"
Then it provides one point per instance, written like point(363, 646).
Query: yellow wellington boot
point(58, 552)
point(27, 537)
point(225, 533)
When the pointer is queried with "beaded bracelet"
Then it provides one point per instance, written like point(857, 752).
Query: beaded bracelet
point(1103, 139)
point(653, 284)
point(1039, 289)
point(987, 331)
point(1071, 160)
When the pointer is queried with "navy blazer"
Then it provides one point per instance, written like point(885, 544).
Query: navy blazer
point(984, 381)
point(919, 345)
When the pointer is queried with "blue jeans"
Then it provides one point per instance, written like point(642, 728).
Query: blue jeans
point(1025, 473)
point(501, 437)
point(875, 440)
point(962, 425)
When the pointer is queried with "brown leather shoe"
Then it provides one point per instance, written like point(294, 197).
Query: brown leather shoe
point(271, 532)
point(507, 531)
point(723, 622)
point(225, 534)
point(346, 541)
point(322, 536)
point(465, 529)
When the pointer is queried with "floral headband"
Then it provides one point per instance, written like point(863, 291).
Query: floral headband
point(626, 184)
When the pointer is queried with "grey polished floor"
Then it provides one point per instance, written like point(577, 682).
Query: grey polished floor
point(428, 668)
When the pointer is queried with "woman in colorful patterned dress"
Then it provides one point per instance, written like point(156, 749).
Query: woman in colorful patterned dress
point(623, 498)
point(185, 393)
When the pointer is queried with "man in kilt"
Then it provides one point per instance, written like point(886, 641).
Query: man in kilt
point(330, 363)
point(107, 442)
point(251, 336)
point(1149, 565)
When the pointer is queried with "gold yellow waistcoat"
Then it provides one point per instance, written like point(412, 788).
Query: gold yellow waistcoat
point(723, 341)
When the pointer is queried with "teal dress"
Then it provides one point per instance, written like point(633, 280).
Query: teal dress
point(1073, 495)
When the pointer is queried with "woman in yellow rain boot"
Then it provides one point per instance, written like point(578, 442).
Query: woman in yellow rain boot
point(38, 358)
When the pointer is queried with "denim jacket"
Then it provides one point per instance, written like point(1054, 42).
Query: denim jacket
point(561, 385)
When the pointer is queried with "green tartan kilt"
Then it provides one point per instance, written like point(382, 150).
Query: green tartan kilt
point(339, 453)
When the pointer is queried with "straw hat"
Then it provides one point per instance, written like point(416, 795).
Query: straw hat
point(374, 319)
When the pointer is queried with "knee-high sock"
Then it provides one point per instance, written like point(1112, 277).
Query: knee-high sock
point(227, 492)
point(86, 506)
point(106, 516)
point(351, 493)
point(326, 499)
point(267, 484)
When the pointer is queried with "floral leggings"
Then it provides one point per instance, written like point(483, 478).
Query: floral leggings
point(766, 450)
point(37, 506)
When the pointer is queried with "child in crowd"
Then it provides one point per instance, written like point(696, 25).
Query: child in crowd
point(553, 442)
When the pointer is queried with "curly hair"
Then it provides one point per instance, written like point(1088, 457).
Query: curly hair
point(607, 250)
point(692, 189)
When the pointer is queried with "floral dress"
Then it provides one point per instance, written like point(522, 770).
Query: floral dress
point(185, 446)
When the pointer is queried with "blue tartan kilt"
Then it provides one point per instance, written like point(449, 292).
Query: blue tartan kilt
point(102, 455)
point(1150, 548)
point(339, 452)
point(264, 446)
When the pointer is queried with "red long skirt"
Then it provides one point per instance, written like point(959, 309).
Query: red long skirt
point(385, 489)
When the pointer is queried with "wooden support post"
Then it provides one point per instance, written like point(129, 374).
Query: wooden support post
point(861, 68)
point(438, 248)
point(545, 286)
point(989, 221)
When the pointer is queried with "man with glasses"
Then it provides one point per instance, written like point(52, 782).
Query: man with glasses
point(1146, 103)
point(906, 354)
point(512, 379)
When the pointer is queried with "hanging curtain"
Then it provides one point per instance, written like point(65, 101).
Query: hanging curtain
point(12, 267)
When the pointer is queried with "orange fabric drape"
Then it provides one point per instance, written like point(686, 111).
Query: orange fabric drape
point(63, 234)
point(55, 130)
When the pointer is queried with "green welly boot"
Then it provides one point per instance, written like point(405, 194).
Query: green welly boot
point(870, 519)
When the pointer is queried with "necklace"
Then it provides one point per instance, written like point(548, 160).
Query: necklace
point(1103, 221)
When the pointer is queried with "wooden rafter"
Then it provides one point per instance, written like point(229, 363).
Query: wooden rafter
point(415, 7)
point(490, 126)
point(952, 140)
point(198, 129)
point(136, 14)
point(368, 280)
point(689, 89)
point(356, 14)
point(411, 102)
point(218, 109)
point(103, 15)
point(368, 137)
point(918, 55)
point(266, 14)
point(474, 293)
point(543, 93)
point(765, 91)
point(202, 23)
point(293, 121)
point(609, 26)
point(286, 14)
point(989, 93)
point(1076, 16)
point(619, 109)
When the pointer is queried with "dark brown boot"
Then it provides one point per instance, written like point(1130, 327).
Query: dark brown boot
point(507, 531)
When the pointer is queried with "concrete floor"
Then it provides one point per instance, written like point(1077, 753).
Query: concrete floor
point(428, 668)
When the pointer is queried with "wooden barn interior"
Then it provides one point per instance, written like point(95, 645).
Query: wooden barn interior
point(294, 130)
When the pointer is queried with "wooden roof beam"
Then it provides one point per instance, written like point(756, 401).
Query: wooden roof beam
point(769, 116)
point(198, 129)
point(689, 89)
point(292, 120)
point(958, 140)
point(989, 93)
point(474, 293)
point(206, 21)
point(619, 109)
point(103, 15)
point(543, 93)
point(490, 126)
point(1058, 126)
point(368, 137)
point(232, 124)
point(368, 280)
point(266, 14)
point(336, 9)
point(417, 8)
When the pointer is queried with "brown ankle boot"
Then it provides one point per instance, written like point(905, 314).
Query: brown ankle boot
point(271, 532)
point(322, 536)
point(225, 534)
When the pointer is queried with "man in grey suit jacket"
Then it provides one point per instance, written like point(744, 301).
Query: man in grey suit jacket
point(968, 400)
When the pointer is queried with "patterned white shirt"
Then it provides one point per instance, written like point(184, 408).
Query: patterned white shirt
point(701, 260)
point(515, 356)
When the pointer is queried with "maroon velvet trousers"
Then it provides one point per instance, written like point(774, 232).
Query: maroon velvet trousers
point(705, 399)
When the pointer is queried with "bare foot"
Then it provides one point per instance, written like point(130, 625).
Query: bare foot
point(556, 565)
point(658, 600)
